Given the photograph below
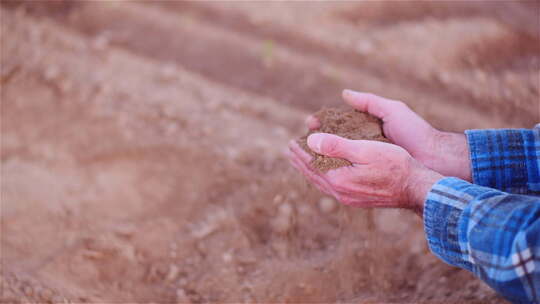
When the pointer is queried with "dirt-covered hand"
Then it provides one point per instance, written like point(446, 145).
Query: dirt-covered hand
point(381, 174)
point(444, 152)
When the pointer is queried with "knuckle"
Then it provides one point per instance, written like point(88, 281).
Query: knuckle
point(347, 201)
point(341, 181)
point(401, 104)
point(326, 191)
point(333, 179)
point(340, 188)
point(334, 184)
point(340, 185)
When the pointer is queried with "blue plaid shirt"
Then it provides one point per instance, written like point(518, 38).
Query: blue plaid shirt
point(492, 227)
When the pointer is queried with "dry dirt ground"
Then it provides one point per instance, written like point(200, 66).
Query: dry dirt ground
point(141, 144)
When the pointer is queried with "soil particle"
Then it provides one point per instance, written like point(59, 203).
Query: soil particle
point(51, 73)
point(282, 222)
point(327, 205)
point(100, 43)
point(173, 273)
point(347, 123)
point(181, 296)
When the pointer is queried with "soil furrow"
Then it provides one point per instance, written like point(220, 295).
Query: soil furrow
point(351, 59)
point(295, 81)
point(142, 161)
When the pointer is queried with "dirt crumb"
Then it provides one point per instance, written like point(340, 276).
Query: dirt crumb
point(345, 122)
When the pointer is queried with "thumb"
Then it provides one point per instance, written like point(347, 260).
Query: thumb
point(356, 151)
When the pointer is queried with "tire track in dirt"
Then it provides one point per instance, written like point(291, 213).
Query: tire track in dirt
point(239, 62)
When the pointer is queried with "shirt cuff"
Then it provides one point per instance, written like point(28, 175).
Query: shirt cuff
point(443, 210)
point(504, 159)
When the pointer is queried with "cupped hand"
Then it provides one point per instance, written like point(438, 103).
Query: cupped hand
point(444, 152)
point(381, 174)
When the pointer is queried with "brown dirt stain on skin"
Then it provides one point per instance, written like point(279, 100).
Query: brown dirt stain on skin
point(347, 123)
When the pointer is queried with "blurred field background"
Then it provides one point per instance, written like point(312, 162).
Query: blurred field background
point(141, 144)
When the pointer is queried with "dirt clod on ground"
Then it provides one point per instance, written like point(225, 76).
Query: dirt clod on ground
point(347, 123)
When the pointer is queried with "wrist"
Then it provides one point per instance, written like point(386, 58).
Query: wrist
point(420, 182)
point(448, 154)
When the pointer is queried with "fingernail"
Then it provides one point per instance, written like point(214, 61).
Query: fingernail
point(286, 151)
point(349, 93)
point(291, 145)
point(314, 142)
point(312, 122)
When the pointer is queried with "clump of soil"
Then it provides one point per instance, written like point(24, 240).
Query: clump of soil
point(347, 123)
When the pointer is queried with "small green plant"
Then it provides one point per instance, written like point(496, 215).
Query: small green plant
point(268, 53)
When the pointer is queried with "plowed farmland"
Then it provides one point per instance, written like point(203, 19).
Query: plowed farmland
point(142, 144)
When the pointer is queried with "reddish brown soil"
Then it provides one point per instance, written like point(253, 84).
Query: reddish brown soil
point(347, 123)
point(141, 145)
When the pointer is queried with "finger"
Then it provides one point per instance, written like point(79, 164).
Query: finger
point(367, 202)
point(373, 104)
point(355, 151)
point(312, 122)
point(306, 168)
point(313, 179)
point(302, 154)
point(359, 179)
point(312, 176)
point(298, 154)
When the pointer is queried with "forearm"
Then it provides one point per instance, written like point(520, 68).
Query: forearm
point(505, 159)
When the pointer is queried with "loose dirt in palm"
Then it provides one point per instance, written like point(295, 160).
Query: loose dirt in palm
point(142, 144)
point(347, 123)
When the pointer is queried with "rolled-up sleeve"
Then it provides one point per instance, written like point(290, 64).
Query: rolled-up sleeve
point(506, 159)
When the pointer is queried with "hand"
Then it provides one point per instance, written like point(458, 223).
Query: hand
point(381, 174)
point(444, 152)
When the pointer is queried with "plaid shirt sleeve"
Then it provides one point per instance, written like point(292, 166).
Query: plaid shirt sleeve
point(507, 159)
point(494, 234)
